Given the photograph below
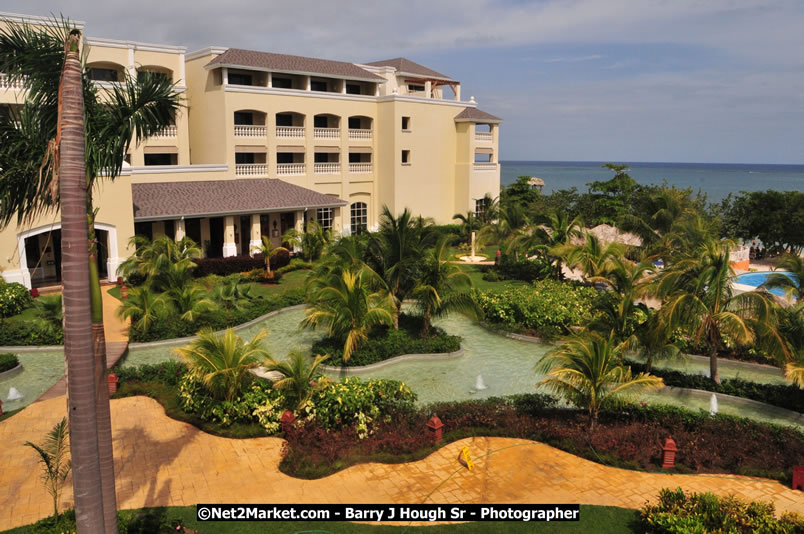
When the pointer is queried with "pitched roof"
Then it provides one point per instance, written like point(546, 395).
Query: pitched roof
point(250, 59)
point(161, 200)
point(406, 66)
point(476, 115)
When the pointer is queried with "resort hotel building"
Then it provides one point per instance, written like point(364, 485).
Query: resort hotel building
point(265, 142)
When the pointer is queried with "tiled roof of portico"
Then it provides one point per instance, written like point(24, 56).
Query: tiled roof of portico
point(166, 200)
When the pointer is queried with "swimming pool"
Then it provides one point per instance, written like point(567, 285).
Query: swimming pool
point(757, 279)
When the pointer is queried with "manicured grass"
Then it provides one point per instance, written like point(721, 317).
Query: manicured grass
point(291, 280)
point(598, 519)
point(477, 280)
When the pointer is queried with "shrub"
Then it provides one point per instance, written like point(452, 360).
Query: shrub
point(237, 264)
point(296, 264)
point(8, 361)
point(168, 372)
point(14, 298)
point(679, 512)
point(26, 333)
point(385, 342)
point(522, 269)
point(547, 306)
point(260, 276)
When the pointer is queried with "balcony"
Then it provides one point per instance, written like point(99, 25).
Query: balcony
point(6, 83)
point(291, 169)
point(483, 136)
point(290, 132)
point(251, 169)
point(484, 166)
point(242, 130)
point(327, 168)
point(326, 133)
point(166, 132)
point(359, 135)
point(360, 168)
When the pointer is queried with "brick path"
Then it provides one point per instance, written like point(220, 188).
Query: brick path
point(162, 462)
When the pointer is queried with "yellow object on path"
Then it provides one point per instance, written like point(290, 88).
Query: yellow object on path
point(465, 459)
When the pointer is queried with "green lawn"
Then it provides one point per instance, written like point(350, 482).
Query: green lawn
point(477, 280)
point(598, 519)
point(291, 280)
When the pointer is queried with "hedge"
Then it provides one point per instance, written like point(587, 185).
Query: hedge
point(237, 264)
point(27, 333)
point(8, 361)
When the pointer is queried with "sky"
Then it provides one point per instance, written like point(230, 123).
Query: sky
point(588, 80)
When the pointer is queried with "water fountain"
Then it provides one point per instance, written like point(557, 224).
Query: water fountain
point(473, 257)
point(479, 384)
point(14, 394)
point(713, 405)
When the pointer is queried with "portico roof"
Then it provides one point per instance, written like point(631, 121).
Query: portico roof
point(172, 200)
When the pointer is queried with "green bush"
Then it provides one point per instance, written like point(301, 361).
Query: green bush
point(523, 269)
point(14, 298)
point(27, 333)
point(384, 343)
point(168, 372)
point(8, 361)
point(296, 264)
point(547, 307)
point(678, 512)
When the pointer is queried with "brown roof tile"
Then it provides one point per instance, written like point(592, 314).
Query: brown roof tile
point(237, 57)
point(407, 66)
point(162, 200)
point(476, 115)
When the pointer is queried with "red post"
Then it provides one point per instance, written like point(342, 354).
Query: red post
point(670, 450)
point(34, 292)
point(798, 474)
point(111, 382)
point(124, 292)
point(497, 257)
point(1, 407)
point(287, 420)
point(120, 280)
point(435, 425)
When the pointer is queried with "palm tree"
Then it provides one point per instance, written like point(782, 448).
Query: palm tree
point(49, 309)
point(588, 372)
point(468, 223)
point(509, 223)
point(793, 284)
point(189, 302)
point(348, 305)
point(165, 263)
point(232, 294)
point(698, 299)
point(591, 257)
point(54, 455)
point(143, 307)
point(268, 251)
point(552, 237)
point(300, 376)
point(312, 241)
point(222, 363)
point(441, 288)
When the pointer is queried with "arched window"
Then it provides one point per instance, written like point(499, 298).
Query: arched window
point(359, 217)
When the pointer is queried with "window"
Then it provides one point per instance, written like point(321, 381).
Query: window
point(284, 119)
point(406, 157)
point(318, 86)
point(243, 118)
point(142, 75)
point(103, 75)
point(354, 157)
point(284, 157)
point(324, 216)
point(480, 207)
point(354, 123)
point(415, 88)
point(320, 121)
point(321, 157)
point(236, 78)
point(160, 159)
point(406, 123)
point(352, 89)
point(282, 83)
point(359, 217)
point(244, 158)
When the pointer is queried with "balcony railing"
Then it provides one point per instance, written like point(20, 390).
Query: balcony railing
point(242, 130)
point(327, 168)
point(359, 167)
point(483, 136)
point(6, 83)
point(290, 169)
point(485, 166)
point(359, 134)
point(326, 133)
point(251, 169)
point(167, 131)
point(290, 132)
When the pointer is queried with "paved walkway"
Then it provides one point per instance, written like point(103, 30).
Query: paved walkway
point(162, 462)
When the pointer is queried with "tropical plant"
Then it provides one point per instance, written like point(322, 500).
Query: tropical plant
point(54, 455)
point(164, 263)
point(467, 223)
point(347, 303)
point(312, 241)
point(591, 257)
point(441, 287)
point(793, 284)
point(190, 301)
point(268, 251)
point(49, 309)
point(222, 363)
point(143, 307)
point(698, 299)
point(588, 372)
point(233, 294)
point(510, 223)
point(553, 236)
point(300, 377)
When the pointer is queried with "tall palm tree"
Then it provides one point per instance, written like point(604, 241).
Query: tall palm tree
point(348, 304)
point(54, 455)
point(793, 284)
point(441, 288)
point(268, 251)
point(588, 372)
point(222, 363)
point(551, 237)
point(300, 376)
point(698, 298)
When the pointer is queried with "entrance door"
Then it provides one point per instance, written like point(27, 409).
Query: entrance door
point(215, 237)
point(245, 234)
point(43, 256)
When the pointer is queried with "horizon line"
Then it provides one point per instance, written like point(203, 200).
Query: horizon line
point(641, 162)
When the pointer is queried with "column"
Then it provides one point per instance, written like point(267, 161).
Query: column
point(307, 83)
point(428, 89)
point(158, 229)
point(256, 234)
point(458, 92)
point(270, 82)
point(180, 233)
point(229, 246)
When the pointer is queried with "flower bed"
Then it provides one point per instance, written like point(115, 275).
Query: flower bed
point(8, 362)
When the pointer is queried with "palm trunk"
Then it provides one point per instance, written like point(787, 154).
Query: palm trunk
point(81, 385)
point(426, 323)
point(713, 373)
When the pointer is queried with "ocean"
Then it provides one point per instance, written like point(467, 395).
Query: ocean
point(717, 180)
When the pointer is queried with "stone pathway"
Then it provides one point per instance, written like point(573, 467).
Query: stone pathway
point(162, 462)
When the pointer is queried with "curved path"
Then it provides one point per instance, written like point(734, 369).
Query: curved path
point(163, 462)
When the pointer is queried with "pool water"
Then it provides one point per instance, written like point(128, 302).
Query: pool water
point(40, 370)
point(757, 279)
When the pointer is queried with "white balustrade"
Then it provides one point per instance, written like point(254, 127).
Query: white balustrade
point(326, 133)
point(327, 168)
point(483, 136)
point(290, 132)
point(359, 167)
point(7, 83)
point(359, 134)
point(290, 169)
point(167, 131)
point(251, 169)
point(243, 130)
